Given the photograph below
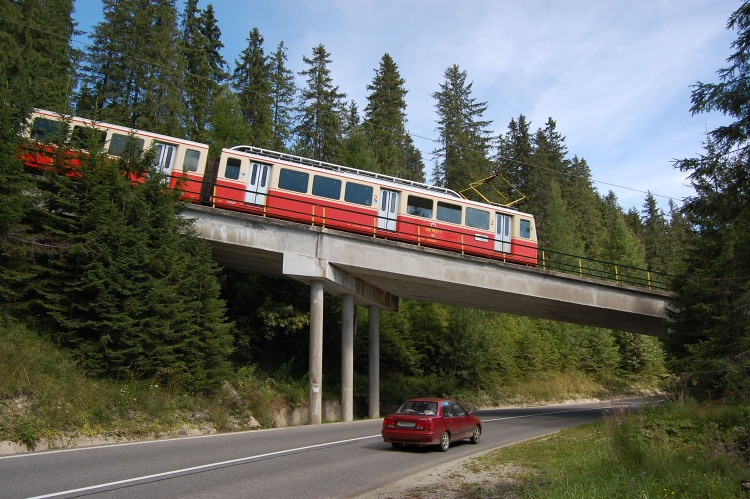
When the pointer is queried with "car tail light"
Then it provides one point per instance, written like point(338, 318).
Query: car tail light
point(389, 423)
point(425, 424)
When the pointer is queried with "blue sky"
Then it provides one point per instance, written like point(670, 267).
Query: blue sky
point(615, 75)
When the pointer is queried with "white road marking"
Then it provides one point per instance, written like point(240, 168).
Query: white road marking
point(202, 467)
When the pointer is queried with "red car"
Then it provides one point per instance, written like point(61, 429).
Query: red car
point(431, 421)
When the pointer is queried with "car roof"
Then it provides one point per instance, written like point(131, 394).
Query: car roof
point(428, 399)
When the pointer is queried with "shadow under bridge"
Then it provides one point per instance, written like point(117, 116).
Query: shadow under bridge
point(376, 273)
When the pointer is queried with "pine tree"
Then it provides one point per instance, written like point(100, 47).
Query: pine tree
point(201, 45)
point(463, 155)
point(356, 150)
point(134, 79)
point(514, 159)
point(252, 83)
point(385, 117)
point(36, 70)
point(319, 131)
point(283, 91)
point(711, 338)
point(655, 236)
point(128, 288)
point(227, 123)
point(37, 58)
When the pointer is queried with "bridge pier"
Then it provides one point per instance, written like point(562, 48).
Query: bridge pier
point(347, 357)
point(374, 367)
point(316, 352)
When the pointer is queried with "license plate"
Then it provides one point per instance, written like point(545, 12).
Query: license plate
point(406, 424)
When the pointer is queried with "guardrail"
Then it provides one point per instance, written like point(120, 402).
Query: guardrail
point(547, 259)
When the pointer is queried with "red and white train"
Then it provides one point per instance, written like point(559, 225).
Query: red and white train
point(280, 185)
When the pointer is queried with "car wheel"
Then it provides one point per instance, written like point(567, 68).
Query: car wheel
point(396, 446)
point(445, 441)
point(476, 435)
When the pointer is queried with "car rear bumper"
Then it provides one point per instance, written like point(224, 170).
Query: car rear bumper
point(417, 437)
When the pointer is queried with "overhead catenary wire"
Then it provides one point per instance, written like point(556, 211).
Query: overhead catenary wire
point(413, 135)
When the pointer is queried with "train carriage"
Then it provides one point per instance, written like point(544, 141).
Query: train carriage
point(284, 186)
point(182, 160)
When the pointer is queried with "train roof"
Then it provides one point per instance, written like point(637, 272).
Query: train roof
point(355, 172)
point(120, 128)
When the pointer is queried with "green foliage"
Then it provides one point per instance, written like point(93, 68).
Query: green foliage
point(131, 79)
point(282, 91)
point(464, 137)
point(120, 279)
point(320, 126)
point(44, 394)
point(676, 450)
point(711, 339)
point(36, 62)
point(205, 67)
point(385, 123)
point(252, 82)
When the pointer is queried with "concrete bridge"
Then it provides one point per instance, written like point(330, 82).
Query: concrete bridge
point(375, 273)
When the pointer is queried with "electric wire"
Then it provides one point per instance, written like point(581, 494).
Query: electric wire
point(72, 39)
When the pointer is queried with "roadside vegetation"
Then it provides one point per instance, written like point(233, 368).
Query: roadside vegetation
point(115, 322)
point(681, 448)
point(46, 395)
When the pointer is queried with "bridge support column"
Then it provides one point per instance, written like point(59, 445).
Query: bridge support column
point(316, 352)
point(374, 347)
point(347, 357)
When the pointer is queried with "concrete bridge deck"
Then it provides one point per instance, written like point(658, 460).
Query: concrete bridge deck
point(376, 273)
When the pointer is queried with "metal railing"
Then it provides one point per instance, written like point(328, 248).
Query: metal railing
point(318, 214)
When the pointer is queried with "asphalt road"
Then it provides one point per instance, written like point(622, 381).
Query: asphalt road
point(322, 461)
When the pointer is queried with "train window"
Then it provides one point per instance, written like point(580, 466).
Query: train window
point(192, 159)
point(125, 145)
point(449, 212)
point(526, 229)
point(358, 193)
point(232, 169)
point(421, 207)
point(326, 187)
point(479, 219)
point(86, 137)
point(293, 180)
point(46, 130)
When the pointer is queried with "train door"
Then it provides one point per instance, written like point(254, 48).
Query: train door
point(257, 184)
point(164, 157)
point(502, 232)
point(387, 210)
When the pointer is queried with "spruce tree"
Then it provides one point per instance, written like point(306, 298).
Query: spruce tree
point(131, 70)
point(355, 150)
point(283, 91)
point(37, 58)
point(123, 281)
point(385, 117)
point(463, 156)
point(205, 67)
point(711, 328)
point(251, 80)
point(321, 108)
point(514, 159)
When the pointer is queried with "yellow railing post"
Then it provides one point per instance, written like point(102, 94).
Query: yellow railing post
point(617, 275)
point(580, 267)
point(648, 275)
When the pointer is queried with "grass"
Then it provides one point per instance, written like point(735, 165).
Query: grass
point(679, 449)
point(43, 394)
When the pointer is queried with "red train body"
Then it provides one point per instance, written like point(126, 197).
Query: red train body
point(289, 187)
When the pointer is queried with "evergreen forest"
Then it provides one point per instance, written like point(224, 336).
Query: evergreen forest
point(105, 272)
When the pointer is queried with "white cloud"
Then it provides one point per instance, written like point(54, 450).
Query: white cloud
point(614, 75)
